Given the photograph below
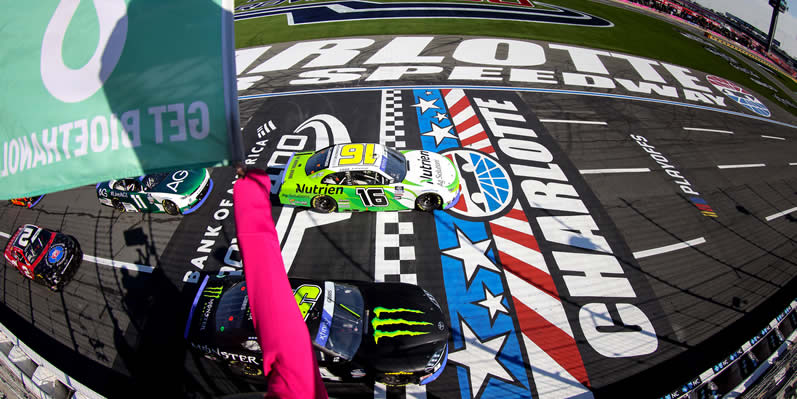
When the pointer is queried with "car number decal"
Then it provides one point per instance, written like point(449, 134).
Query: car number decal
point(306, 296)
point(24, 237)
point(372, 196)
point(139, 202)
point(356, 154)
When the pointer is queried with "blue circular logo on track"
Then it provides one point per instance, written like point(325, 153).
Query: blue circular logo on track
point(55, 254)
point(485, 184)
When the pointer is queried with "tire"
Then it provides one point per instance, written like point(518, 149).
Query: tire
point(324, 204)
point(118, 205)
point(428, 202)
point(57, 286)
point(171, 208)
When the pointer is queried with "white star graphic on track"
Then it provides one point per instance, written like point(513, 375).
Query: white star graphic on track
point(426, 104)
point(472, 254)
point(440, 116)
point(492, 303)
point(440, 133)
point(480, 359)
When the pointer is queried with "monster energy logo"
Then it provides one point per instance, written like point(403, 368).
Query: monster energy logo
point(212, 292)
point(378, 322)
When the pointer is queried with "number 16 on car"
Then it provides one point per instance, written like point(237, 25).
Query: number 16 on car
point(368, 176)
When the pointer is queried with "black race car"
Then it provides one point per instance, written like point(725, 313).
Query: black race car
point(47, 257)
point(393, 333)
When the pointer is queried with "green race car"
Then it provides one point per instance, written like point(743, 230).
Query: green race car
point(178, 192)
point(369, 177)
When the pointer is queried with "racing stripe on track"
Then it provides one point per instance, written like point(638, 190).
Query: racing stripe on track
point(540, 313)
point(391, 121)
point(547, 334)
point(469, 129)
point(393, 261)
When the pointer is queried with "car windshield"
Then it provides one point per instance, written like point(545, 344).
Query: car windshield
point(233, 316)
point(396, 166)
point(318, 161)
point(37, 242)
point(346, 327)
point(152, 181)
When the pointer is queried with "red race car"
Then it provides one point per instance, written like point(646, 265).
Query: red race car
point(27, 202)
point(47, 257)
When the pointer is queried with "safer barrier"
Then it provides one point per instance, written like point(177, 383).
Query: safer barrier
point(742, 369)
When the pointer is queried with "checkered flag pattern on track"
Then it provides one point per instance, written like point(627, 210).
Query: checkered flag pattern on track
point(391, 124)
point(395, 248)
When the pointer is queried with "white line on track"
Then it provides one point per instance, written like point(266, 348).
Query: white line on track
point(779, 214)
point(669, 248)
point(620, 170)
point(748, 165)
point(773, 137)
point(118, 264)
point(108, 262)
point(699, 129)
point(792, 163)
point(573, 121)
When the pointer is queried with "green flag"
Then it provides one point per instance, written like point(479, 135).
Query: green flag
point(94, 90)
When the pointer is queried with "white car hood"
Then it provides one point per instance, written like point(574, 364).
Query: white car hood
point(426, 167)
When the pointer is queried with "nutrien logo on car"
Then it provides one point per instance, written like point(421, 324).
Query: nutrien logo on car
point(379, 322)
point(426, 165)
point(331, 190)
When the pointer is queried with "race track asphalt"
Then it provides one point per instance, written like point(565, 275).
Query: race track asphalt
point(118, 329)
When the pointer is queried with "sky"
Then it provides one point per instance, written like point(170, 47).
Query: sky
point(758, 13)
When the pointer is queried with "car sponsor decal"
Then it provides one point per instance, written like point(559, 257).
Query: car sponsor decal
point(55, 254)
point(536, 251)
point(397, 324)
point(318, 190)
point(739, 94)
point(235, 357)
point(176, 179)
point(306, 296)
point(193, 307)
point(213, 292)
point(327, 314)
point(366, 10)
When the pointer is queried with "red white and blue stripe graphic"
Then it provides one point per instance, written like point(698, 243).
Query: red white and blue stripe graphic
point(556, 363)
point(547, 338)
point(466, 122)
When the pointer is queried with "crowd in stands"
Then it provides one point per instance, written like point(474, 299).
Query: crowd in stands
point(715, 24)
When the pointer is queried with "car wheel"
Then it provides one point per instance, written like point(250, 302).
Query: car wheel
point(118, 205)
point(324, 203)
point(171, 208)
point(428, 202)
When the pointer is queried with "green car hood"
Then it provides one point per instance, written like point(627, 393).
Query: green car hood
point(182, 182)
